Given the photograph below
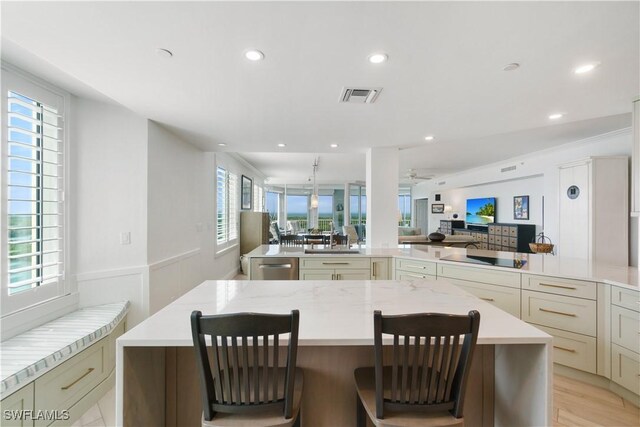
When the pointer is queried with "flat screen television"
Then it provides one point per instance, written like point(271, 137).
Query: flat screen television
point(481, 211)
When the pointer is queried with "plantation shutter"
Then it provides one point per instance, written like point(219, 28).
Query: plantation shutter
point(221, 193)
point(35, 209)
point(233, 207)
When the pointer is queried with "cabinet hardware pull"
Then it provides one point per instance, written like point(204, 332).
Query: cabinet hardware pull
point(558, 286)
point(487, 299)
point(557, 312)
point(339, 276)
point(275, 266)
point(416, 266)
point(374, 269)
point(570, 350)
point(335, 263)
point(81, 377)
point(333, 276)
point(417, 275)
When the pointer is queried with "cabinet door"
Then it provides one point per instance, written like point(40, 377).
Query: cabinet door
point(380, 269)
point(317, 274)
point(21, 400)
point(347, 274)
point(625, 368)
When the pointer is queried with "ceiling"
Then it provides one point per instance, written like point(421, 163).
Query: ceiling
point(444, 74)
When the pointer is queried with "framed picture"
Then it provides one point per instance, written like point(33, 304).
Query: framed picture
point(521, 207)
point(437, 208)
point(246, 194)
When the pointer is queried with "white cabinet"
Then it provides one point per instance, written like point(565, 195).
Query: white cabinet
point(334, 268)
point(625, 338)
point(380, 269)
point(594, 210)
point(406, 269)
point(21, 400)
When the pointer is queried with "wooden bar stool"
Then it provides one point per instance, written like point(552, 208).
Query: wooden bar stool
point(245, 385)
point(430, 362)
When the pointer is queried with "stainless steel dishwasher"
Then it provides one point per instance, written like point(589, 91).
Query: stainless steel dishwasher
point(274, 268)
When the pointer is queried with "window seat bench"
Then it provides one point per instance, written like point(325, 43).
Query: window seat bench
point(57, 350)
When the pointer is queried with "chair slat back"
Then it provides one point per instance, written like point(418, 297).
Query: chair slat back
point(291, 240)
point(245, 372)
point(430, 360)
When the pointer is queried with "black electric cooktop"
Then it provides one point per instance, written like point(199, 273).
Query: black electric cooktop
point(485, 260)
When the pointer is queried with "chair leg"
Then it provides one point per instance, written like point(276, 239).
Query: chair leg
point(361, 414)
point(297, 422)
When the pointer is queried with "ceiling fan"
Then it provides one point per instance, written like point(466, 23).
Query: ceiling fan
point(412, 174)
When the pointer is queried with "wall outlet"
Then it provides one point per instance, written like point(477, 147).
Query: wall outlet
point(125, 238)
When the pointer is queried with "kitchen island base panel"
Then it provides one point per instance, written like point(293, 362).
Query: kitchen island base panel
point(161, 385)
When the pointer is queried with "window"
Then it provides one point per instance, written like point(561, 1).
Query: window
point(358, 205)
point(227, 207)
point(33, 194)
point(272, 204)
point(325, 212)
point(297, 207)
point(404, 210)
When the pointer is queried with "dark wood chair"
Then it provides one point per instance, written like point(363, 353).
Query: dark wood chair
point(245, 384)
point(291, 240)
point(430, 361)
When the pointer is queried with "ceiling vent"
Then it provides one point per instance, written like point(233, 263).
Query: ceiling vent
point(508, 169)
point(360, 95)
point(442, 182)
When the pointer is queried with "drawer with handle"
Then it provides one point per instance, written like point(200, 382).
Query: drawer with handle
point(503, 297)
point(625, 328)
point(334, 262)
point(559, 286)
point(573, 350)
point(420, 267)
point(626, 298)
point(568, 314)
point(625, 368)
point(68, 382)
point(483, 275)
point(403, 275)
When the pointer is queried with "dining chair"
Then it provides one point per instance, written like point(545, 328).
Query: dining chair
point(244, 383)
point(426, 381)
point(350, 231)
point(291, 240)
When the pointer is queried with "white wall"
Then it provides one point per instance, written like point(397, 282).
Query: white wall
point(108, 193)
point(490, 181)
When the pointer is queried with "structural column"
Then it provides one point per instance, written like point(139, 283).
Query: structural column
point(382, 197)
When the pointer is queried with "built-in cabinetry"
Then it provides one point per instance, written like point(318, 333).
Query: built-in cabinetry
point(380, 269)
point(625, 338)
point(503, 237)
point(593, 208)
point(447, 226)
point(334, 268)
point(407, 269)
point(21, 400)
point(566, 309)
point(500, 288)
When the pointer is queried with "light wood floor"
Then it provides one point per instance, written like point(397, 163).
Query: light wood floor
point(579, 404)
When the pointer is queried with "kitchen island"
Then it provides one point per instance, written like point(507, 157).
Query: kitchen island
point(510, 381)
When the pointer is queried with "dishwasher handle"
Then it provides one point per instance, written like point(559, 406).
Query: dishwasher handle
point(274, 266)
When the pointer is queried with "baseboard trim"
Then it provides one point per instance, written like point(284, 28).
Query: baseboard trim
point(173, 259)
point(231, 274)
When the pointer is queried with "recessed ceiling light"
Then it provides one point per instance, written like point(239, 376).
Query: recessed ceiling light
point(378, 58)
point(222, 144)
point(429, 138)
point(511, 67)
point(164, 53)
point(281, 145)
point(254, 55)
point(555, 116)
point(334, 145)
point(585, 68)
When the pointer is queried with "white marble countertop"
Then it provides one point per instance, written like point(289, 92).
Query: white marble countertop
point(331, 312)
point(31, 354)
point(548, 265)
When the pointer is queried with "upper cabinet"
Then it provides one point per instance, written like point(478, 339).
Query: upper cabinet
point(594, 210)
point(635, 181)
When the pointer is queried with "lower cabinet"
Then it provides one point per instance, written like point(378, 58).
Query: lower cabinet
point(380, 269)
point(335, 269)
point(21, 400)
point(408, 269)
point(503, 297)
point(573, 350)
point(625, 368)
